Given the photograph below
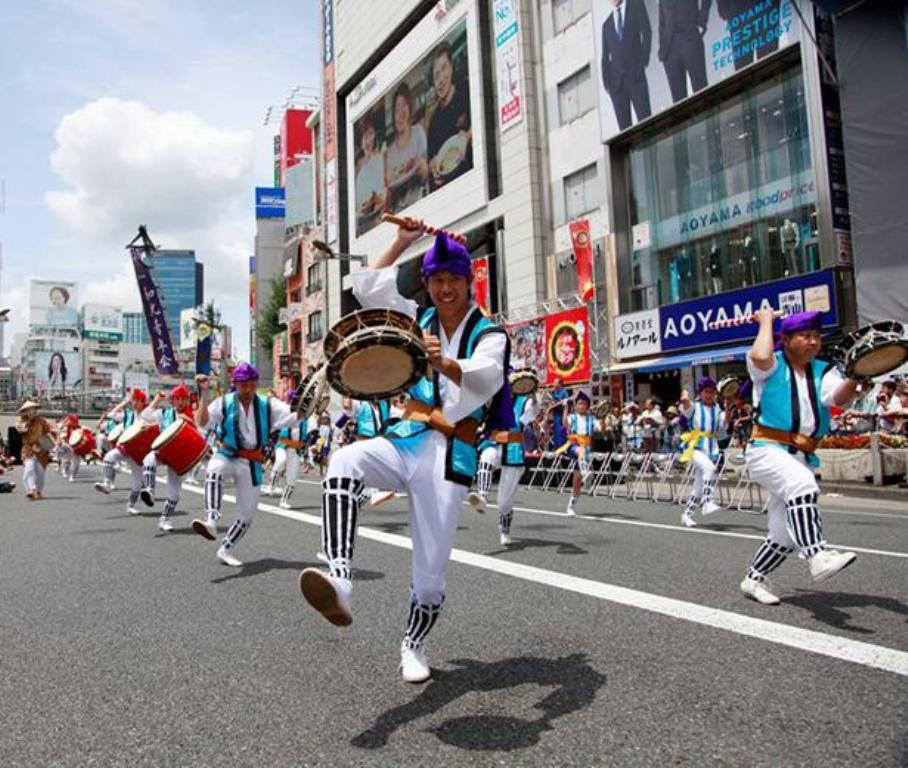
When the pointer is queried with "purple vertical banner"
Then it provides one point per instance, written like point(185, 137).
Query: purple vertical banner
point(165, 360)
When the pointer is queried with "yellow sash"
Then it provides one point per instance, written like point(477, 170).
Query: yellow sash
point(690, 439)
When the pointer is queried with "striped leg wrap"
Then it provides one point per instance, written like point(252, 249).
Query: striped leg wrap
point(110, 472)
point(484, 479)
point(285, 496)
point(419, 624)
point(213, 491)
point(364, 495)
point(804, 524)
point(235, 533)
point(340, 508)
point(149, 478)
point(133, 498)
point(692, 503)
point(709, 489)
point(169, 508)
point(768, 557)
point(504, 522)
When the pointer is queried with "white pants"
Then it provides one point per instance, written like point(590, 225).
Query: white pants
point(174, 481)
point(116, 455)
point(786, 477)
point(222, 468)
point(704, 472)
point(508, 482)
point(288, 460)
point(33, 475)
point(416, 466)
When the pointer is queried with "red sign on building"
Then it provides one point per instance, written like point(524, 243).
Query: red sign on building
point(296, 139)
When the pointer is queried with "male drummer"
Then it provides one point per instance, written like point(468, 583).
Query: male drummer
point(792, 394)
point(126, 413)
point(580, 426)
point(164, 417)
point(430, 452)
point(243, 421)
point(504, 449)
point(290, 441)
point(705, 420)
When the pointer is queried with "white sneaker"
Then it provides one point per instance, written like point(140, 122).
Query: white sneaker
point(267, 490)
point(759, 591)
point(505, 539)
point(206, 528)
point(477, 501)
point(570, 507)
point(132, 511)
point(284, 505)
point(709, 507)
point(102, 487)
point(687, 520)
point(165, 525)
point(321, 557)
point(829, 562)
point(379, 498)
point(328, 595)
point(227, 559)
point(71, 479)
point(414, 667)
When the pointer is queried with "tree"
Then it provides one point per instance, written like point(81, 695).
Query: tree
point(267, 324)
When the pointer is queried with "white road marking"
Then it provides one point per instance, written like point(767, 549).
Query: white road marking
point(844, 649)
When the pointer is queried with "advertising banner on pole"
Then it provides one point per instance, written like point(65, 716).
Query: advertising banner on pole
point(553, 346)
point(481, 283)
point(583, 255)
point(507, 63)
point(165, 360)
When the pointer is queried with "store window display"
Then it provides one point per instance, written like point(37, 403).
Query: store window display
point(728, 199)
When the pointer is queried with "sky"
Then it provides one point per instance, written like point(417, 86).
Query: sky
point(115, 113)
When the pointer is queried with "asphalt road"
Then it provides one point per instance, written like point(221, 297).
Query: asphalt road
point(617, 638)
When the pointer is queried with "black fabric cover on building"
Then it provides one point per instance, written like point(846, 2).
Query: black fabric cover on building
point(872, 56)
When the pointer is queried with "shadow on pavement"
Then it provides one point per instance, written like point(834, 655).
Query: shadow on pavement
point(828, 607)
point(96, 530)
point(268, 564)
point(520, 545)
point(575, 681)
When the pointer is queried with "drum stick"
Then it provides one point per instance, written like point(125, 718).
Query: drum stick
point(390, 218)
point(734, 322)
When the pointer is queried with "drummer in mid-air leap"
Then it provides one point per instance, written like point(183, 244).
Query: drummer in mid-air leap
point(430, 452)
point(792, 393)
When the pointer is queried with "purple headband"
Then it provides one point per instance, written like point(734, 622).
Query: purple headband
point(802, 321)
point(705, 383)
point(583, 396)
point(447, 255)
point(244, 372)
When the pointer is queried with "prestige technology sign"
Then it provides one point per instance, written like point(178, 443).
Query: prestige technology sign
point(270, 202)
point(685, 325)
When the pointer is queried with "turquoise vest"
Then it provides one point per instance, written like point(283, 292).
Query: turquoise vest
point(168, 417)
point(574, 424)
point(512, 456)
point(129, 418)
point(462, 458)
point(370, 424)
point(287, 433)
point(779, 406)
point(228, 431)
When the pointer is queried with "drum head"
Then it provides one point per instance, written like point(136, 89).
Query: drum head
point(728, 386)
point(377, 368)
point(312, 395)
point(367, 318)
point(167, 435)
point(524, 383)
point(75, 438)
point(877, 361)
point(129, 434)
point(115, 434)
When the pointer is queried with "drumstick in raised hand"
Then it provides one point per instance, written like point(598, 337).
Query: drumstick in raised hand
point(734, 322)
point(390, 218)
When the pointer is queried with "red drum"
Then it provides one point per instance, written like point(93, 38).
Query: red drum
point(181, 446)
point(136, 441)
point(114, 435)
point(82, 441)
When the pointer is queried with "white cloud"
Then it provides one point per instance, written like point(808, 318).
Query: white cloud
point(118, 290)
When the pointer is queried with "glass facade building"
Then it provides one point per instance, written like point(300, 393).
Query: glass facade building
point(179, 280)
point(135, 330)
point(726, 199)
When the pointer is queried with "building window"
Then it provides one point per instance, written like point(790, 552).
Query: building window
point(582, 192)
point(724, 200)
point(566, 12)
point(316, 330)
point(313, 279)
point(576, 96)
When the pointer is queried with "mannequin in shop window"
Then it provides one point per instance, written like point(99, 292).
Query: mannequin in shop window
point(791, 239)
point(715, 269)
point(748, 267)
point(680, 276)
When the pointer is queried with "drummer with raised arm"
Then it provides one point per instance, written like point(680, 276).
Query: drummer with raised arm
point(243, 421)
point(164, 418)
point(37, 443)
point(792, 394)
point(430, 453)
point(127, 412)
